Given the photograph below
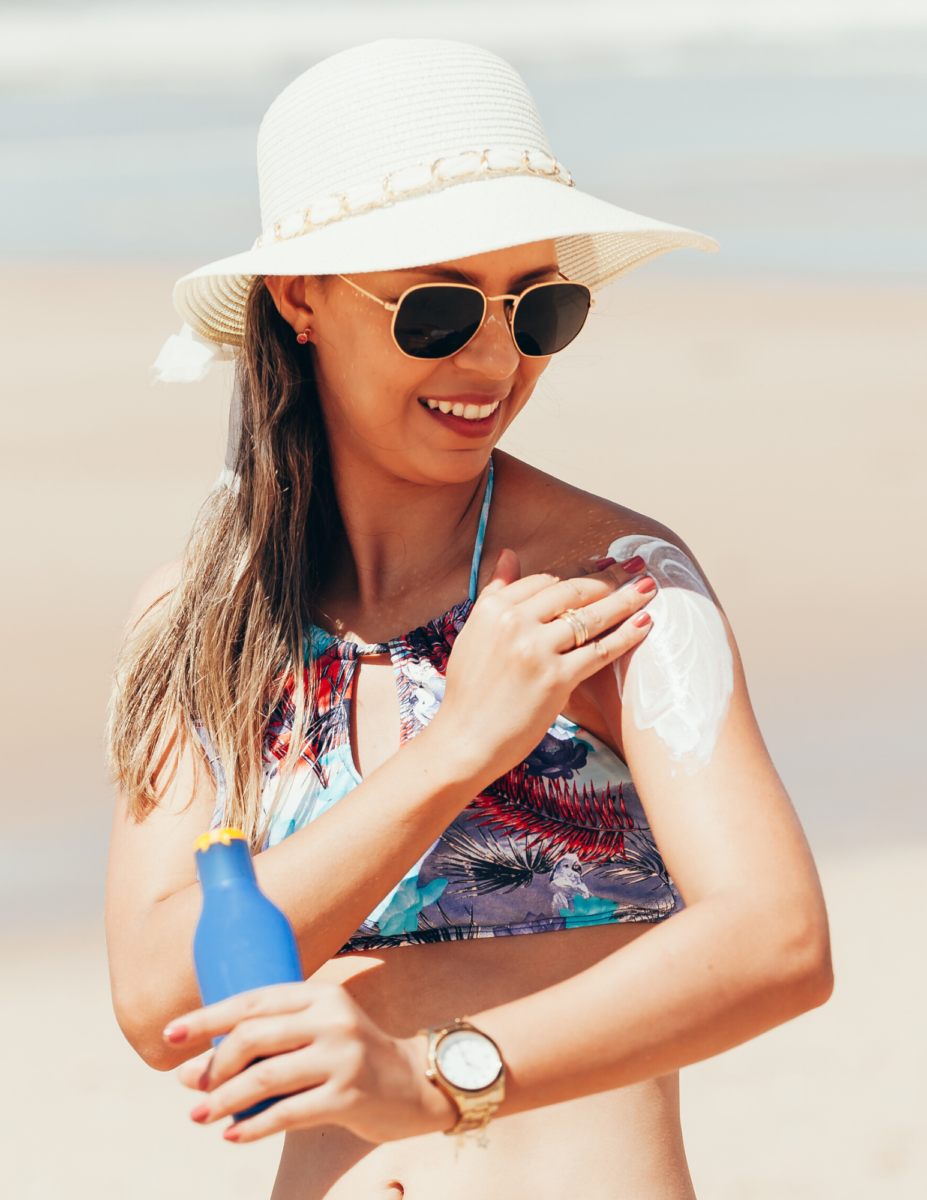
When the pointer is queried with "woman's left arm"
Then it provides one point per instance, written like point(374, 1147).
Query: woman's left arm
point(749, 952)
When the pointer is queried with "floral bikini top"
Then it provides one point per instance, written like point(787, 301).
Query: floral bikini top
point(559, 842)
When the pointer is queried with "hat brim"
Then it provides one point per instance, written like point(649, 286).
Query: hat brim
point(597, 242)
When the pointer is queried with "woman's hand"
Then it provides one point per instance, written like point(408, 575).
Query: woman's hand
point(310, 1043)
point(514, 665)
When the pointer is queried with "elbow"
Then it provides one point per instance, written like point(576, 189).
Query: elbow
point(804, 969)
point(136, 1015)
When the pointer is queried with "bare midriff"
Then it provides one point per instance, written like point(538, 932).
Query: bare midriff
point(623, 1143)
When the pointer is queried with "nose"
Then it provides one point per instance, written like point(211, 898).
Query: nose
point(492, 352)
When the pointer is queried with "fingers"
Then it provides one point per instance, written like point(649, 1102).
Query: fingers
point(301, 1110)
point(255, 1039)
point(550, 593)
point(579, 592)
point(609, 648)
point(506, 580)
point(280, 1075)
point(194, 1072)
point(603, 615)
point(217, 1019)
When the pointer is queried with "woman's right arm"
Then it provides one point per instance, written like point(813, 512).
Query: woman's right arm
point(508, 664)
point(326, 877)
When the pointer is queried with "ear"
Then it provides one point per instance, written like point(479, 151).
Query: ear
point(292, 296)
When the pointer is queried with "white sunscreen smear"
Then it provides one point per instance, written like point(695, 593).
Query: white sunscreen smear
point(681, 677)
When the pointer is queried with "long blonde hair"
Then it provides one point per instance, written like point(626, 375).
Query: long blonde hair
point(219, 649)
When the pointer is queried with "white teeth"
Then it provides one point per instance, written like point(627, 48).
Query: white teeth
point(470, 412)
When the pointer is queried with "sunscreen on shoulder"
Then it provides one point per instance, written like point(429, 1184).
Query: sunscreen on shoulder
point(680, 678)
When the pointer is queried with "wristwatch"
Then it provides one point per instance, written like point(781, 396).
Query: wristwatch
point(467, 1066)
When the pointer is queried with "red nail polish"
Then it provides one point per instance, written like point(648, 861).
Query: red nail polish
point(633, 565)
point(641, 620)
point(200, 1113)
point(645, 585)
point(175, 1034)
point(601, 564)
point(231, 1134)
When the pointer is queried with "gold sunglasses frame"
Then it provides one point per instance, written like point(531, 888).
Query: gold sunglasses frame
point(393, 306)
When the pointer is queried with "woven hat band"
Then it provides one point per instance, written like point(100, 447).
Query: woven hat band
point(415, 180)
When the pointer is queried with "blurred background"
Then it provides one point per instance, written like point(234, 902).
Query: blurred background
point(768, 403)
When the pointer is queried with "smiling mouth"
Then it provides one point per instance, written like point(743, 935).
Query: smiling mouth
point(469, 412)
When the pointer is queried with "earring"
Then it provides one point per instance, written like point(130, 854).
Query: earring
point(303, 337)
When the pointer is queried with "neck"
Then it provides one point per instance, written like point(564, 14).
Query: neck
point(407, 545)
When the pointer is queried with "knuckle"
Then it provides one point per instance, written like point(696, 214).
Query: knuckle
point(347, 1098)
point(573, 590)
point(593, 620)
point(255, 1004)
point(264, 1074)
point(353, 1060)
point(246, 1037)
point(348, 1026)
point(507, 619)
point(523, 649)
point(493, 606)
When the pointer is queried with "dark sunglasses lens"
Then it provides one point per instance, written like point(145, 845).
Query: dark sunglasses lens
point(435, 322)
point(549, 318)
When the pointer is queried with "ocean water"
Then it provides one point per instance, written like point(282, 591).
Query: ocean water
point(793, 174)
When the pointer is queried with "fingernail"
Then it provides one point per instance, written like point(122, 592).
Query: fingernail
point(231, 1134)
point(633, 565)
point(602, 564)
point(176, 1034)
point(641, 620)
point(645, 585)
point(200, 1113)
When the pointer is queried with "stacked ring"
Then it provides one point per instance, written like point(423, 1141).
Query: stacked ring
point(578, 625)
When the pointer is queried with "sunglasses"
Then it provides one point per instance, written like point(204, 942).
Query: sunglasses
point(436, 320)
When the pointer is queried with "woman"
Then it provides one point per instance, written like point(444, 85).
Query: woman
point(569, 750)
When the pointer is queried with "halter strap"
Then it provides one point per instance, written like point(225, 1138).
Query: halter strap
point(480, 535)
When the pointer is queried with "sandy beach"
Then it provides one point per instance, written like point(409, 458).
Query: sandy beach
point(778, 428)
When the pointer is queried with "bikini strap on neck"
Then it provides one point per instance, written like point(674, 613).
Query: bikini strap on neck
point(480, 535)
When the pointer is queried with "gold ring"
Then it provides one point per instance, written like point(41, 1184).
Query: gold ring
point(578, 625)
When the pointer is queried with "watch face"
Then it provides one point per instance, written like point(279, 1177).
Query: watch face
point(468, 1060)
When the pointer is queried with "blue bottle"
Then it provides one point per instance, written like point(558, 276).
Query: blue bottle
point(242, 940)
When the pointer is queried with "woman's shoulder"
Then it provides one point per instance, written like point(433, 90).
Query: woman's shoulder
point(554, 526)
point(154, 591)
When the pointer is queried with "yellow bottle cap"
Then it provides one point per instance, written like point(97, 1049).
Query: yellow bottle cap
point(221, 836)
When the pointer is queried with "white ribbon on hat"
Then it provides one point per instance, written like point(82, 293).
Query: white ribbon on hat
point(186, 357)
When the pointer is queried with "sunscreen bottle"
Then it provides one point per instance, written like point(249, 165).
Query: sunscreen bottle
point(242, 940)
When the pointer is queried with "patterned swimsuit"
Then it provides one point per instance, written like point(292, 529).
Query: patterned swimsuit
point(559, 842)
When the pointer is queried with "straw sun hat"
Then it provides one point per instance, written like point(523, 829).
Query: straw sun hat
point(402, 153)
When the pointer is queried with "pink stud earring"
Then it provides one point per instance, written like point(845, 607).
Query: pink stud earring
point(303, 337)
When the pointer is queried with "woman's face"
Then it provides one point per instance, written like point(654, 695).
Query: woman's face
point(376, 400)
